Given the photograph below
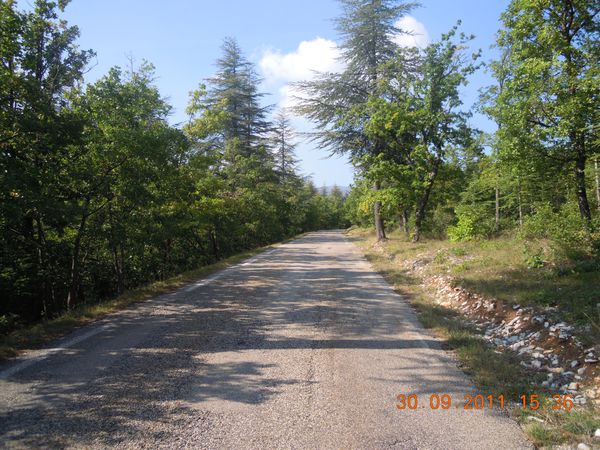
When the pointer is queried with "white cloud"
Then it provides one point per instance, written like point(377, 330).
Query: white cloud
point(417, 37)
point(319, 55)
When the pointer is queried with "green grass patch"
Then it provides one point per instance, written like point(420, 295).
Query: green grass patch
point(550, 428)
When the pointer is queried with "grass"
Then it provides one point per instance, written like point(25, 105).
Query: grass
point(493, 268)
point(37, 335)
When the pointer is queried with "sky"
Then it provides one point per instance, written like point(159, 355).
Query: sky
point(286, 39)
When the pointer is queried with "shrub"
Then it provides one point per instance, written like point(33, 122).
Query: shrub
point(473, 222)
point(563, 228)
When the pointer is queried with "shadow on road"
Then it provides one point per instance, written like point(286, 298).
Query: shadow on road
point(104, 390)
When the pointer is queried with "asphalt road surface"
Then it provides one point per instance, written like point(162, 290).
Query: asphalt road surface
point(304, 346)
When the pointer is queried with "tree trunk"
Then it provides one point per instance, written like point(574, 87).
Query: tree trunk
point(520, 204)
point(404, 220)
point(118, 266)
point(418, 220)
point(215, 246)
point(75, 275)
point(497, 219)
point(42, 262)
point(379, 224)
point(582, 200)
point(422, 202)
point(597, 173)
point(118, 254)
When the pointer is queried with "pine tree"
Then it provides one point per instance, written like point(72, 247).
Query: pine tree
point(284, 145)
point(228, 123)
point(235, 88)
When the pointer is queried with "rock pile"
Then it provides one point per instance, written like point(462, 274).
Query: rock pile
point(544, 345)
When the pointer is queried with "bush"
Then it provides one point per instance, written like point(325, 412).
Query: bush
point(473, 222)
point(8, 323)
point(563, 228)
point(440, 219)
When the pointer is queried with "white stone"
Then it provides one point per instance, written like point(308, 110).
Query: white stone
point(573, 386)
point(510, 339)
point(583, 446)
point(536, 363)
point(574, 364)
point(597, 433)
point(581, 371)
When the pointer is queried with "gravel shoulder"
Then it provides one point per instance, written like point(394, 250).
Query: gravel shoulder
point(304, 346)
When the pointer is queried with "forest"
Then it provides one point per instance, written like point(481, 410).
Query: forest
point(101, 194)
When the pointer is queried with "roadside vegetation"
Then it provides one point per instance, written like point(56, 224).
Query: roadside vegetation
point(100, 195)
point(35, 335)
point(494, 372)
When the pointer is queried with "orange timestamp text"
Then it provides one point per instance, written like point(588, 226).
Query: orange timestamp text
point(480, 401)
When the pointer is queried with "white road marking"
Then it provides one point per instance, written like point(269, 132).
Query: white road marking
point(39, 355)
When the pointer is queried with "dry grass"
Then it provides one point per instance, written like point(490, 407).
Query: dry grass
point(502, 269)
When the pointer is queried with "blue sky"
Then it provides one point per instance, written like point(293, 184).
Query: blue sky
point(285, 38)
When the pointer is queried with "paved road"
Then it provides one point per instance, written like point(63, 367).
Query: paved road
point(300, 347)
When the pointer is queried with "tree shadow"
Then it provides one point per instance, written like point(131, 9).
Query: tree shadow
point(159, 364)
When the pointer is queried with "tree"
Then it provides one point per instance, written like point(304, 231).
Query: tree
point(283, 145)
point(417, 116)
point(129, 150)
point(228, 123)
point(548, 105)
point(336, 102)
point(235, 88)
point(40, 64)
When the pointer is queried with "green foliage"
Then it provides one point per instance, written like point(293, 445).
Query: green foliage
point(534, 259)
point(546, 101)
point(423, 138)
point(472, 224)
point(338, 103)
point(100, 194)
point(562, 227)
